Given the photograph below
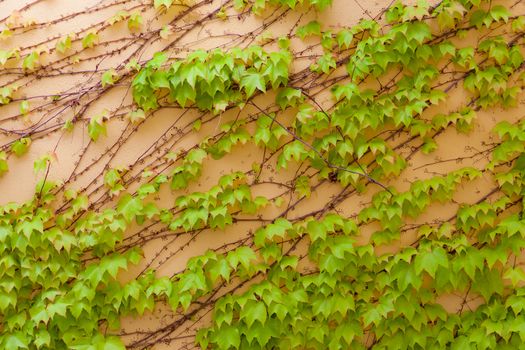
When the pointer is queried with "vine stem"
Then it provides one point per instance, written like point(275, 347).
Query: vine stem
point(319, 154)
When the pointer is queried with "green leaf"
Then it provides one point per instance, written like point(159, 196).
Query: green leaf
point(515, 275)
point(487, 283)
point(159, 58)
point(41, 164)
point(499, 12)
point(63, 44)
point(243, 256)
point(31, 61)
point(97, 126)
point(344, 39)
point(134, 21)
point(90, 40)
point(253, 311)
point(16, 341)
point(289, 97)
point(311, 28)
point(5, 55)
point(197, 125)
point(111, 177)
point(109, 77)
point(518, 24)
point(113, 343)
point(136, 116)
point(20, 147)
point(68, 125)
point(228, 337)
point(220, 268)
point(295, 150)
point(325, 64)
point(283, 42)
point(252, 81)
point(429, 145)
point(316, 230)
point(24, 107)
point(165, 4)
point(129, 207)
point(4, 167)
point(196, 156)
point(302, 185)
point(42, 338)
point(430, 261)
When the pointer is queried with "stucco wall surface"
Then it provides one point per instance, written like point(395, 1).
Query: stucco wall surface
point(79, 162)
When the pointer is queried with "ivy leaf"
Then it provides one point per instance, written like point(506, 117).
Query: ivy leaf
point(243, 256)
point(90, 40)
point(202, 337)
point(344, 39)
point(430, 261)
point(129, 207)
point(97, 126)
point(111, 178)
point(63, 44)
point(159, 58)
point(16, 341)
point(321, 4)
point(499, 12)
point(253, 311)
point(109, 77)
point(134, 21)
point(80, 203)
point(41, 163)
point(429, 145)
point(295, 150)
point(118, 17)
point(408, 277)
point(42, 338)
point(133, 65)
point(197, 125)
point(289, 97)
point(518, 24)
point(165, 32)
point(228, 337)
point(302, 185)
point(220, 268)
point(136, 116)
point(470, 262)
point(515, 275)
point(31, 61)
point(4, 167)
point(166, 4)
point(4, 34)
point(311, 28)
point(487, 283)
point(316, 230)
point(20, 147)
point(325, 64)
point(283, 42)
point(4, 56)
point(113, 343)
point(192, 281)
point(24, 107)
point(252, 81)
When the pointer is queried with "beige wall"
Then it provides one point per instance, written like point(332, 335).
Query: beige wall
point(70, 148)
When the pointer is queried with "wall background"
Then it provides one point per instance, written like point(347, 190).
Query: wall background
point(80, 162)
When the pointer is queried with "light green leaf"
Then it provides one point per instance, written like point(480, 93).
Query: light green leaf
point(252, 81)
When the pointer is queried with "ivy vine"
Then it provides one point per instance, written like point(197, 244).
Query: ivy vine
point(345, 110)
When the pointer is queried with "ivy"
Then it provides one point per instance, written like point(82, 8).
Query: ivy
point(258, 6)
point(365, 268)
point(212, 81)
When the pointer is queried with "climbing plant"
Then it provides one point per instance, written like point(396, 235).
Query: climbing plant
point(339, 253)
